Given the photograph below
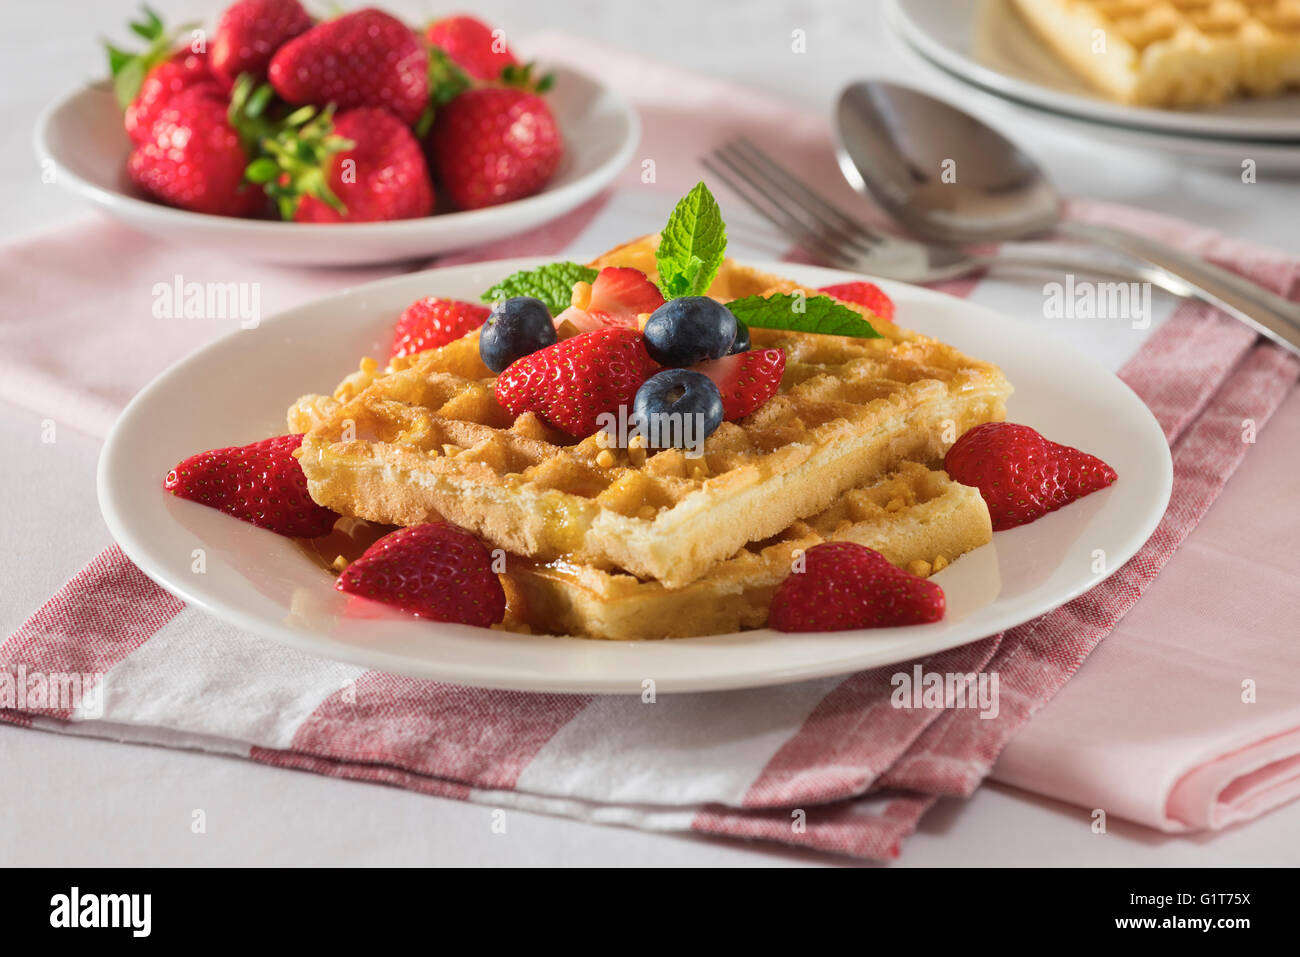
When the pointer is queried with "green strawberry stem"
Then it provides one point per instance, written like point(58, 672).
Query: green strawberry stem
point(521, 76)
point(446, 82)
point(248, 112)
point(127, 69)
point(294, 152)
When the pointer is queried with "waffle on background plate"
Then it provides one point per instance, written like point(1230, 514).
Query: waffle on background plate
point(664, 545)
point(1174, 53)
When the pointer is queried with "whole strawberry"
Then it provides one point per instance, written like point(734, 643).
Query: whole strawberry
point(193, 157)
point(572, 383)
point(260, 483)
point(494, 145)
point(181, 72)
point(249, 33)
point(746, 380)
point(866, 294)
point(432, 322)
point(473, 45)
point(366, 58)
point(382, 176)
point(844, 586)
point(1021, 475)
point(436, 571)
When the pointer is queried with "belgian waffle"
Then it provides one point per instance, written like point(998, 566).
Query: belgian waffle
point(426, 439)
point(1174, 52)
point(916, 517)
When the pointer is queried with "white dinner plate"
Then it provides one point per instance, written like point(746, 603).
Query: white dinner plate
point(988, 44)
point(237, 390)
point(1269, 157)
point(82, 139)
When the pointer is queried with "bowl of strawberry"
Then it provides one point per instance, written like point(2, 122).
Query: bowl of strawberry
point(355, 139)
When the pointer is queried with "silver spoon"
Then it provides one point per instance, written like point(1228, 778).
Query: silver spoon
point(949, 178)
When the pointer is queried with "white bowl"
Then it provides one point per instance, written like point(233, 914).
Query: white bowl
point(82, 136)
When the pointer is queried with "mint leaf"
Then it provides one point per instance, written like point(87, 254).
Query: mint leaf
point(692, 245)
point(552, 284)
point(820, 314)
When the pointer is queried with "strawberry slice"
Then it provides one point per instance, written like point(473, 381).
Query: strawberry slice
point(259, 483)
point(618, 295)
point(1021, 475)
point(437, 571)
point(432, 322)
point(746, 380)
point(844, 585)
point(863, 294)
point(573, 382)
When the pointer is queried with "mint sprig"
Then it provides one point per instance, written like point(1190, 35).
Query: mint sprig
point(692, 245)
point(552, 284)
point(792, 313)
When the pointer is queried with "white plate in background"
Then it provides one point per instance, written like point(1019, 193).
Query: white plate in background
point(987, 43)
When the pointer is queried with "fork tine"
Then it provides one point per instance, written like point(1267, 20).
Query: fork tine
point(773, 212)
point(776, 190)
point(795, 185)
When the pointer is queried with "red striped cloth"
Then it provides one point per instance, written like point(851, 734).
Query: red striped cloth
point(839, 769)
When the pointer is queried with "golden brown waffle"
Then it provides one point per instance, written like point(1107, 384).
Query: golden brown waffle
point(1174, 52)
point(428, 440)
point(916, 517)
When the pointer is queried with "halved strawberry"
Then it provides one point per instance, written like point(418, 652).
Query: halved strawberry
point(615, 298)
point(1022, 475)
point(432, 322)
point(864, 294)
point(844, 586)
point(260, 483)
point(573, 382)
point(437, 571)
point(746, 380)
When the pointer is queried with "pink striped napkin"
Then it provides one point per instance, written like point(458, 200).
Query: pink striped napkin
point(828, 764)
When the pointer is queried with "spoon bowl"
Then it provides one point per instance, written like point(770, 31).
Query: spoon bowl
point(950, 178)
point(941, 173)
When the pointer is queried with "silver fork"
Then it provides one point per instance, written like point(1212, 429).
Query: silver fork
point(839, 240)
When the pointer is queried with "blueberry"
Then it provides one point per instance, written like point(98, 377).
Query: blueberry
point(688, 330)
point(677, 408)
point(742, 339)
point(516, 328)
